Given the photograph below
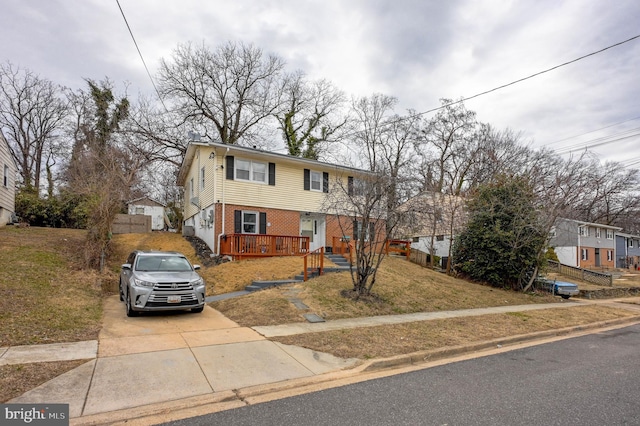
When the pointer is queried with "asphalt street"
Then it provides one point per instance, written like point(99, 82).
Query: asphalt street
point(588, 380)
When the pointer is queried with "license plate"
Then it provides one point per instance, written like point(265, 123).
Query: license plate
point(174, 299)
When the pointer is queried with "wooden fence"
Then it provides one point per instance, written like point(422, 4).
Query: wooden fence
point(598, 278)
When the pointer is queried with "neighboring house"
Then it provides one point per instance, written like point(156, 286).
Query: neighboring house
point(231, 190)
point(148, 207)
point(627, 251)
point(583, 244)
point(8, 184)
point(432, 220)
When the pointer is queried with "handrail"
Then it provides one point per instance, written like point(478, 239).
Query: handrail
point(314, 261)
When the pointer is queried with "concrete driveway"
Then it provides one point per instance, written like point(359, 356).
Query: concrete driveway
point(162, 357)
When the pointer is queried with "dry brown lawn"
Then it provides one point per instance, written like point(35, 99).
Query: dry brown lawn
point(17, 379)
point(401, 287)
point(46, 297)
point(389, 340)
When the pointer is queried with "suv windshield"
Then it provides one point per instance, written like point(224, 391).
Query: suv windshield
point(162, 263)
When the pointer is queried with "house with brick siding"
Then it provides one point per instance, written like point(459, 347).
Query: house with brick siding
point(584, 244)
point(8, 183)
point(232, 190)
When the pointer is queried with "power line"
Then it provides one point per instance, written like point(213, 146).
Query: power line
point(141, 57)
point(595, 145)
point(419, 114)
point(591, 131)
point(529, 77)
point(599, 141)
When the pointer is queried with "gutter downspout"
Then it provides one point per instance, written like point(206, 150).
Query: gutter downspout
point(579, 254)
point(224, 162)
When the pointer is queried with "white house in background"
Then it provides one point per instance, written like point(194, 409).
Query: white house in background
point(433, 220)
point(8, 183)
point(148, 207)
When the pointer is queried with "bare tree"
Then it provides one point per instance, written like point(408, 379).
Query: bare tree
point(611, 193)
point(311, 115)
point(448, 147)
point(32, 112)
point(103, 168)
point(358, 205)
point(161, 135)
point(229, 92)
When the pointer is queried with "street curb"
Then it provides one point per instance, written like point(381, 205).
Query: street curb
point(435, 354)
point(225, 400)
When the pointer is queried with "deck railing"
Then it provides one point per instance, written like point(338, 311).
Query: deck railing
point(261, 245)
point(402, 247)
point(314, 262)
point(343, 246)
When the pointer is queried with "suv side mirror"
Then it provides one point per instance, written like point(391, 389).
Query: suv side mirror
point(196, 267)
point(126, 266)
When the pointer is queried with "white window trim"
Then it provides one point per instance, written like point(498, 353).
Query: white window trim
point(256, 223)
point(609, 255)
point(585, 254)
point(583, 231)
point(609, 234)
point(252, 177)
point(202, 176)
point(319, 179)
point(597, 232)
point(191, 190)
point(630, 243)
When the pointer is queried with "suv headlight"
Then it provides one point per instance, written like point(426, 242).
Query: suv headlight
point(142, 283)
point(197, 282)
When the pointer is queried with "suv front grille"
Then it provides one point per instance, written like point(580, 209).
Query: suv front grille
point(173, 287)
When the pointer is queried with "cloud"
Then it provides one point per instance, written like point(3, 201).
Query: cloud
point(414, 50)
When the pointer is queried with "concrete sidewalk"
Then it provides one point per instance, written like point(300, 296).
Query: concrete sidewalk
point(177, 359)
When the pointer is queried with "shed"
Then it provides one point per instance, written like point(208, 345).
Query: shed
point(149, 207)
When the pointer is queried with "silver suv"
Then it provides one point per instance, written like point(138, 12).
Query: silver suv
point(160, 281)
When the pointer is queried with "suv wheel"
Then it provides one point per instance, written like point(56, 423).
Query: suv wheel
point(130, 312)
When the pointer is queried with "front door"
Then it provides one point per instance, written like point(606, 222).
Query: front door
point(597, 259)
point(313, 226)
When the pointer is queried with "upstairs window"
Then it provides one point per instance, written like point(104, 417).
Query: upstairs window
point(609, 234)
point(630, 243)
point(597, 232)
point(583, 231)
point(5, 181)
point(316, 181)
point(202, 178)
point(249, 170)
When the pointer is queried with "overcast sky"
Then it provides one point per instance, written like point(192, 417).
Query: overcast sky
point(415, 50)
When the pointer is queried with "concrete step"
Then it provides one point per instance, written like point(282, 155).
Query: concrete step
point(261, 285)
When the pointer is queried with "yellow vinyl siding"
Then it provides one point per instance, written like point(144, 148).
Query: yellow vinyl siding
point(288, 193)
